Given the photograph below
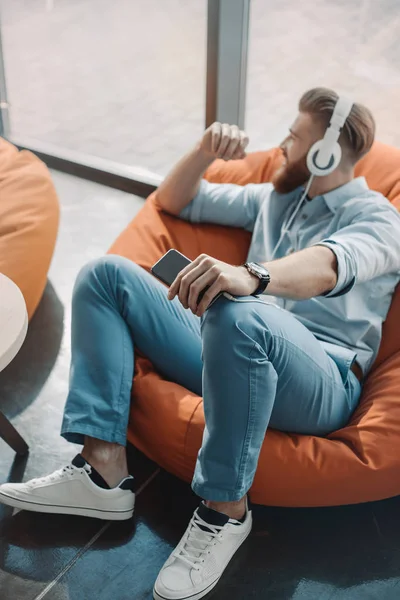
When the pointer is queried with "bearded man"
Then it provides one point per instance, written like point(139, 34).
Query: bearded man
point(288, 348)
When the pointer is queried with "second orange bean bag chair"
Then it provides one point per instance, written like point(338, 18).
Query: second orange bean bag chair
point(29, 215)
point(358, 463)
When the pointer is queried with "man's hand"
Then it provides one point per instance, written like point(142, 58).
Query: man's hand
point(224, 141)
point(219, 276)
point(182, 184)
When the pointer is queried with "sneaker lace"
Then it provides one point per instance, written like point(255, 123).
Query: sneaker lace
point(66, 472)
point(198, 543)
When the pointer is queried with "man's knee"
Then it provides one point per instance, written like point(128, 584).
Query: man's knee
point(102, 273)
point(227, 321)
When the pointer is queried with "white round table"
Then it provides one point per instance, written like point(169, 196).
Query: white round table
point(13, 328)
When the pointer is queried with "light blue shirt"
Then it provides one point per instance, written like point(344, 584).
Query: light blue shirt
point(359, 225)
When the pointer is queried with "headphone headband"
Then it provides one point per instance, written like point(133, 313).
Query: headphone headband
point(340, 113)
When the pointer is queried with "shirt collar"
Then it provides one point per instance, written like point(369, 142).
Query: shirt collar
point(336, 198)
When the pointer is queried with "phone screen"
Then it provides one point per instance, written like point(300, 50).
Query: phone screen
point(169, 265)
point(172, 263)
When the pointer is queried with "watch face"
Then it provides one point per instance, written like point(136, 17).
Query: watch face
point(259, 270)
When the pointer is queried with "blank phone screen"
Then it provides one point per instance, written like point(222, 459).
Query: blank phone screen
point(168, 267)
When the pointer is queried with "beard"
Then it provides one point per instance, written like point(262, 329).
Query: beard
point(291, 175)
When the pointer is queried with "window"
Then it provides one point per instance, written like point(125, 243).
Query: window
point(121, 80)
point(352, 47)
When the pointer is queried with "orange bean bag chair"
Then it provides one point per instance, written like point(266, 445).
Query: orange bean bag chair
point(29, 215)
point(356, 464)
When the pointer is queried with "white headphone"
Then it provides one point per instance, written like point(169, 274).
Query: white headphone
point(324, 156)
point(322, 159)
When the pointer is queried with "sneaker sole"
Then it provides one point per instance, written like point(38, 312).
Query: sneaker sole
point(208, 589)
point(107, 515)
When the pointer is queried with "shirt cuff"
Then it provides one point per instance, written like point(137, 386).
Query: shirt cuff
point(345, 279)
point(192, 212)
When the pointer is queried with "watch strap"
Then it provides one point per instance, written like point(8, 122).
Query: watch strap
point(263, 280)
point(261, 287)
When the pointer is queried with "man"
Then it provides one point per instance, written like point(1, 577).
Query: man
point(295, 364)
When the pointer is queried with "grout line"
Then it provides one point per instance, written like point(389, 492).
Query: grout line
point(90, 543)
point(148, 481)
point(71, 563)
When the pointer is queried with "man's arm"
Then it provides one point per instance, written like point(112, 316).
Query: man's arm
point(182, 184)
point(304, 274)
point(365, 249)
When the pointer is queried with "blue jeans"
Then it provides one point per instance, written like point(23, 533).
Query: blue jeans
point(254, 363)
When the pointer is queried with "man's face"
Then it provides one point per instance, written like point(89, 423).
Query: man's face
point(294, 172)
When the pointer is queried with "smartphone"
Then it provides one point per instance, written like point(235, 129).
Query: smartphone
point(168, 267)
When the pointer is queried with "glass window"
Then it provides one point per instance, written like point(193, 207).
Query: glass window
point(121, 79)
point(352, 47)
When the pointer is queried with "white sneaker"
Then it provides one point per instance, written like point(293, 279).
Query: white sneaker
point(202, 555)
point(71, 491)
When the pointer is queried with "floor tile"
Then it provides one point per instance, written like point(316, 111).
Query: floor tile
point(386, 519)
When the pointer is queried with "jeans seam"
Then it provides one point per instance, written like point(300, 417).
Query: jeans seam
point(188, 427)
point(255, 300)
point(340, 386)
point(123, 325)
point(250, 422)
point(295, 348)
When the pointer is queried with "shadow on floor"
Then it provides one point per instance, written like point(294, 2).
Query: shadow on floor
point(309, 553)
point(23, 379)
point(339, 553)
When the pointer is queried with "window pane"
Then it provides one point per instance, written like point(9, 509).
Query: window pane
point(121, 79)
point(352, 47)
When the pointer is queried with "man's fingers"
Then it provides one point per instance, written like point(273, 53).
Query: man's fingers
point(233, 143)
point(210, 294)
point(244, 140)
point(216, 133)
point(203, 268)
point(174, 287)
point(239, 154)
point(240, 151)
point(188, 279)
point(225, 139)
point(206, 279)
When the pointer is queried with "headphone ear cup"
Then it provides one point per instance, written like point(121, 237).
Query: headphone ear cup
point(333, 163)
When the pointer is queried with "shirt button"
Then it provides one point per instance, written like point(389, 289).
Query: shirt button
point(291, 250)
point(304, 217)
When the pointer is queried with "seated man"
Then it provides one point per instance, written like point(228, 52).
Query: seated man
point(328, 254)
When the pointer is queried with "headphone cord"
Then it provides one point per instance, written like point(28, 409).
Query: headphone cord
point(286, 226)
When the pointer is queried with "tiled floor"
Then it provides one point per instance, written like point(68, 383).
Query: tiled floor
point(345, 553)
point(125, 79)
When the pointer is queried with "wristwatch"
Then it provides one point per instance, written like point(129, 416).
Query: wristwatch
point(262, 273)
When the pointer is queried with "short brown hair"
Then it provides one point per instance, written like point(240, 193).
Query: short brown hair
point(359, 130)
